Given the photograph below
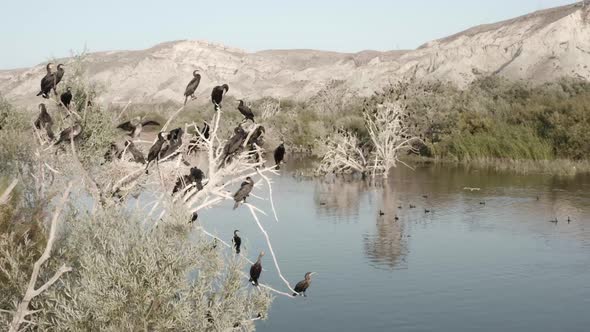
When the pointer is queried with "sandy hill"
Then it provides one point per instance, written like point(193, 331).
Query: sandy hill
point(539, 47)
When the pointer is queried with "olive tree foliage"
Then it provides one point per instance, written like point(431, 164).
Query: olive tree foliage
point(115, 264)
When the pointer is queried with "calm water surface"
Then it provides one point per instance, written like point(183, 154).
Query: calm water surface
point(465, 266)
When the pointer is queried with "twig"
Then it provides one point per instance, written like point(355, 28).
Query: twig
point(274, 258)
point(23, 307)
point(6, 194)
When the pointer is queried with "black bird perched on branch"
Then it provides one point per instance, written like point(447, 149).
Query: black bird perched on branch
point(51, 80)
point(303, 285)
point(217, 95)
point(257, 138)
point(192, 86)
point(137, 155)
point(154, 153)
point(243, 192)
point(237, 240)
point(69, 133)
point(46, 82)
point(234, 144)
point(45, 121)
point(194, 217)
point(66, 97)
point(205, 130)
point(256, 270)
point(279, 155)
point(195, 176)
point(194, 143)
point(174, 142)
point(246, 111)
point(135, 126)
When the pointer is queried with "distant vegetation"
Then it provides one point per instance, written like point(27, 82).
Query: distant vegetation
point(493, 121)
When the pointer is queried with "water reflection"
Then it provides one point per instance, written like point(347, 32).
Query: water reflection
point(340, 197)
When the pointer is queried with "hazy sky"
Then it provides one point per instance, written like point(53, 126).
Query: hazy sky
point(34, 31)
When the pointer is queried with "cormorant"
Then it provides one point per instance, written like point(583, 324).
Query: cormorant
point(174, 142)
point(256, 270)
point(303, 285)
point(381, 213)
point(137, 155)
point(154, 153)
point(217, 95)
point(50, 81)
point(412, 206)
point(205, 130)
point(257, 138)
point(58, 76)
point(46, 82)
point(237, 240)
point(135, 125)
point(194, 217)
point(568, 219)
point(234, 144)
point(554, 220)
point(192, 86)
point(194, 143)
point(279, 155)
point(243, 192)
point(66, 97)
point(246, 111)
point(44, 121)
point(69, 133)
point(195, 176)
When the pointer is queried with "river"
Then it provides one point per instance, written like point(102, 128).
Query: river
point(485, 260)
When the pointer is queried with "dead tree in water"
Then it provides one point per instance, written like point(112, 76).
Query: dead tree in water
point(344, 155)
point(389, 137)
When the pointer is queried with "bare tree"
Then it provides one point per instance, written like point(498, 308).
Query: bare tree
point(389, 136)
point(343, 155)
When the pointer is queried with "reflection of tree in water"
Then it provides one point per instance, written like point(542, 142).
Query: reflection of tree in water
point(387, 247)
point(340, 197)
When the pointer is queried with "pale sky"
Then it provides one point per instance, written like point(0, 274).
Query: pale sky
point(33, 31)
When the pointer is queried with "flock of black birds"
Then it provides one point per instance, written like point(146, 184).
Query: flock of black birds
point(169, 142)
